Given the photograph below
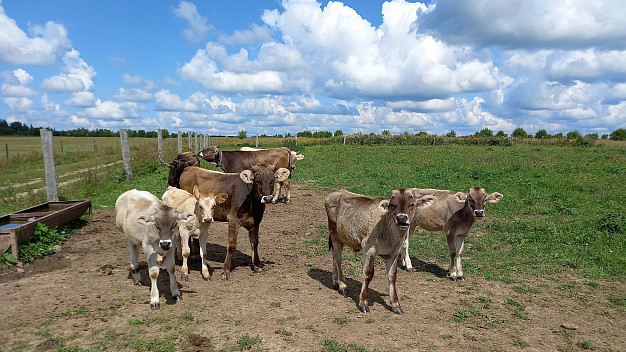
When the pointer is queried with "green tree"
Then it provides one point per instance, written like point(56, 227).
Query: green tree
point(542, 134)
point(451, 134)
point(422, 133)
point(619, 134)
point(558, 135)
point(386, 133)
point(338, 133)
point(305, 134)
point(573, 134)
point(591, 136)
point(242, 134)
point(519, 133)
point(322, 134)
point(501, 134)
point(485, 132)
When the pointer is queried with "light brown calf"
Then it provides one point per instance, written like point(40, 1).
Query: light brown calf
point(454, 213)
point(376, 226)
point(202, 205)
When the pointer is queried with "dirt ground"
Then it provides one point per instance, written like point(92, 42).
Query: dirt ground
point(83, 297)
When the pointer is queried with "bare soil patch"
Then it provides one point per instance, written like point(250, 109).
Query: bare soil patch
point(84, 297)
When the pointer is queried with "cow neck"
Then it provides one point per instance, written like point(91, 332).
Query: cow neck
point(218, 159)
point(467, 213)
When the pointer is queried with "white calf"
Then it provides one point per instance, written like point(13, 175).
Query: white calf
point(202, 205)
point(149, 223)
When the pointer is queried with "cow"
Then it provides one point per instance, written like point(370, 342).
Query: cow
point(149, 223)
point(295, 156)
point(454, 213)
point(376, 226)
point(248, 192)
point(239, 160)
point(202, 206)
point(177, 166)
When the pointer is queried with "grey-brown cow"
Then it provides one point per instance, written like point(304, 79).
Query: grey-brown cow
point(248, 192)
point(454, 213)
point(376, 226)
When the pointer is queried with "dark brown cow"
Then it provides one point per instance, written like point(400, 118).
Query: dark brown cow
point(239, 160)
point(378, 227)
point(179, 164)
point(248, 192)
point(454, 213)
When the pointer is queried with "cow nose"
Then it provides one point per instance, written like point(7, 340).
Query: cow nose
point(208, 220)
point(165, 244)
point(479, 213)
point(402, 219)
point(267, 199)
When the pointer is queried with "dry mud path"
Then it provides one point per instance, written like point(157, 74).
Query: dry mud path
point(84, 296)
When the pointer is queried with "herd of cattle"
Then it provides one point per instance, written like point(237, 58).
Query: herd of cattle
point(251, 178)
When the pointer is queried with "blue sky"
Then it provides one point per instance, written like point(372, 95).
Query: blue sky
point(269, 66)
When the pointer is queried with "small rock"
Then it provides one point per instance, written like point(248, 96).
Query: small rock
point(57, 248)
point(20, 271)
point(50, 344)
point(569, 326)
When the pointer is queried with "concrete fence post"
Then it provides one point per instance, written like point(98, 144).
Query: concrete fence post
point(126, 154)
point(160, 146)
point(189, 139)
point(196, 141)
point(180, 142)
point(47, 148)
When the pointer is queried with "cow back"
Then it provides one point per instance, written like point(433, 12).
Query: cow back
point(434, 217)
point(239, 160)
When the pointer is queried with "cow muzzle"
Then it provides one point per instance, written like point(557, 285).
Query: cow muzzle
point(165, 244)
point(402, 220)
point(267, 199)
point(207, 220)
point(479, 213)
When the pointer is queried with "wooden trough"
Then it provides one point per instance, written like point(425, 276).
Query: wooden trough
point(18, 227)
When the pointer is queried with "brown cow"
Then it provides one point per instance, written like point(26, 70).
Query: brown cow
point(378, 227)
point(454, 213)
point(179, 164)
point(239, 160)
point(248, 192)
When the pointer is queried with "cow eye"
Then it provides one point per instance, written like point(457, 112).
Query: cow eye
point(412, 204)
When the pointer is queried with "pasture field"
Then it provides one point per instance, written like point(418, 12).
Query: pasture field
point(544, 268)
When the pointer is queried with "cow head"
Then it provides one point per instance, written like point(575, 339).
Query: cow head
point(476, 200)
point(293, 157)
point(165, 219)
point(209, 154)
point(402, 205)
point(263, 176)
point(178, 165)
point(206, 203)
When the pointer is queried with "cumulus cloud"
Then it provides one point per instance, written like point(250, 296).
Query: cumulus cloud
point(136, 95)
point(112, 109)
point(117, 60)
point(14, 84)
point(16, 47)
point(76, 75)
point(256, 34)
point(198, 28)
point(527, 24)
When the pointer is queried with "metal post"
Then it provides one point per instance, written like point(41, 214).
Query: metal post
point(180, 142)
point(160, 146)
point(47, 148)
point(126, 154)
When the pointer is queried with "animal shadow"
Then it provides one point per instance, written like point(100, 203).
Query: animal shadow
point(163, 283)
point(353, 290)
point(420, 265)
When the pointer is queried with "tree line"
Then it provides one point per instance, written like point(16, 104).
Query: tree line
point(19, 129)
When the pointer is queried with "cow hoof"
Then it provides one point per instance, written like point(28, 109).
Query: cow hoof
point(410, 270)
point(225, 276)
point(461, 278)
point(184, 277)
point(398, 311)
point(155, 305)
point(208, 278)
point(364, 309)
point(256, 269)
point(177, 297)
point(138, 283)
point(342, 291)
point(454, 278)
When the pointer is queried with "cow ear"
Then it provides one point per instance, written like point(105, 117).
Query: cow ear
point(299, 156)
point(494, 197)
point(146, 220)
point(426, 201)
point(281, 174)
point(247, 176)
point(186, 217)
point(460, 197)
point(383, 206)
point(221, 198)
point(196, 191)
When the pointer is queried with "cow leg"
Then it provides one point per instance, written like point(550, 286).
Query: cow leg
point(204, 236)
point(392, 273)
point(253, 233)
point(368, 274)
point(233, 228)
point(404, 255)
point(276, 192)
point(134, 263)
point(287, 185)
point(339, 282)
point(459, 242)
point(184, 241)
point(170, 263)
point(153, 270)
point(452, 274)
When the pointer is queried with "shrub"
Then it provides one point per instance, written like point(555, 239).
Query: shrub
point(619, 134)
point(519, 133)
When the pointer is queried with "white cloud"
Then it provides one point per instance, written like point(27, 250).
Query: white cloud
point(424, 106)
point(81, 122)
point(256, 34)
point(16, 47)
point(130, 79)
point(117, 60)
point(14, 84)
point(81, 99)
point(136, 95)
point(198, 28)
point(532, 23)
point(20, 104)
point(76, 75)
point(112, 110)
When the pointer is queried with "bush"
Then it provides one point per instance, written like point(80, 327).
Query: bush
point(613, 223)
point(519, 133)
point(542, 134)
point(242, 134)
point(573, 134)
point(619, 134)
